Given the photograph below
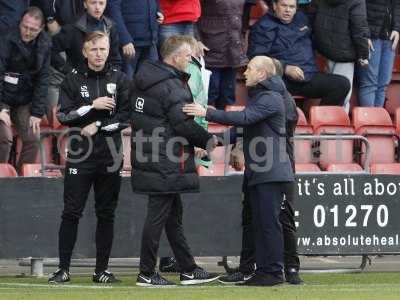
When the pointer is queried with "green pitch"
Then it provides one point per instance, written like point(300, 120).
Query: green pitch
point(364, 286)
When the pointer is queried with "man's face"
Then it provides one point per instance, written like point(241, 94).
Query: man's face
point(95, 8)
point(183, 57)
point(29, 28)
point(252, 74)
point(96, 53)
point(285, 10)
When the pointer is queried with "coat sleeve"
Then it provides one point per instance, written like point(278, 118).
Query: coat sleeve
point(185, 126)
point(114, 12)
point(254, 113)
point(115, 57)
point(4, 53)
point(41, 87)
point(70, 113)
point(359, 29)
point(61, 43)
point(261, 39)
point(120, 120)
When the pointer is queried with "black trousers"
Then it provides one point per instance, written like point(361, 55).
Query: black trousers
point(286, 217)
point(332, 88)
point(76, 190)
point(164, 212)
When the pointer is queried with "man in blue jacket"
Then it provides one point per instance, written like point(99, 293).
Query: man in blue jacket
point(267, 165)
point(285, 34)
point(137, 23)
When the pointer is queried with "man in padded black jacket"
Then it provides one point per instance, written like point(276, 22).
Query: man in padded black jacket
point(94, 104)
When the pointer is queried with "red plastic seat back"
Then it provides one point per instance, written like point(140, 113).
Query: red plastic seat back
point(7, 170)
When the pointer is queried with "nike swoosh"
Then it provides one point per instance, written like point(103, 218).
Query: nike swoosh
point(189, 276)
point(145, 279)
point(248, 277)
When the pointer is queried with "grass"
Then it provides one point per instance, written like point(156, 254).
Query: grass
point(364, 286)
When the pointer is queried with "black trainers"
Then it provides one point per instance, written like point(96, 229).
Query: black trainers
point(155, 280)
point(197, 276)
point(237, 277)
point(263, 280)
point(292, 276)
point(168, 265)
point(59, 276)
point(105, 277)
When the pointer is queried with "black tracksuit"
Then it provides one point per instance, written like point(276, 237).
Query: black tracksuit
point(159, 166)
point(94, 161)
point(291, 259)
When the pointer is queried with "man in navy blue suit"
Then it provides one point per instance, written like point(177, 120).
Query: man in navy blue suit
point(267, 165)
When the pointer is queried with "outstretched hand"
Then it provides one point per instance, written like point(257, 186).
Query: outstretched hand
point(194, 109)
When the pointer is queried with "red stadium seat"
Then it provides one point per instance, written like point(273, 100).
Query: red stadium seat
point(126, 144)
point(343, 168)
point(333, 120)
point(34, 170)
point(213, 170)
point(302, 148)
point(216, 128)
point(393, 169)
point(234, 108)
point(300, 168)
point(397, 121)
point(376, 125)
point(7, 170)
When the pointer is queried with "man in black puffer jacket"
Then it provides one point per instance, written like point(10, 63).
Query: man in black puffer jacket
point(163, 141)
point(341, 35)
point(70, 38)
point(384, 25)
point(94, 104)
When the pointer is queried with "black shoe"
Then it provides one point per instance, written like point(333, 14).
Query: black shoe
point(263, 280)
point(168, 265)
point(59, 276)
point(105, 277)
point(154, 280)
point(237, 277)
point(197, 276)
point(292, 276)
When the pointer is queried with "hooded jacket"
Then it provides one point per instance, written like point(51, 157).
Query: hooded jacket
point(383, 17)
point(28, 71)
point(264, 132)
point(290, 43)
point(77, 92)
point(341, 30)
point(64, 11)
point(163, 137)
point(70, 39)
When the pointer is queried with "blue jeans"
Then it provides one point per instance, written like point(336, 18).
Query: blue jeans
point(181, 28)
point(374, 79)
point(130, 66)
point(221, 91)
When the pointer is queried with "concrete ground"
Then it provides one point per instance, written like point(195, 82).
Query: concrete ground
point(128, 266)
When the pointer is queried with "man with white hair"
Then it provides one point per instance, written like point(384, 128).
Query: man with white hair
point(267, 165)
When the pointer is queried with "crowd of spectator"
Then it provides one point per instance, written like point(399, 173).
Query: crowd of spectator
point(358, 38)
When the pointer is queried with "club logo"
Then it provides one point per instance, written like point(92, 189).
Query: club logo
point(85, 91)
point(139, 105)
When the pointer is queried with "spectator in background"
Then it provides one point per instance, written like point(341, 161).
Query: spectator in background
point(11, 12)
point(24, 72)
point(70, 38)
point(384, 26)
point(285, 34)
point(180, 17)
point(220, 29)
point(341, 35)
point(137, 22)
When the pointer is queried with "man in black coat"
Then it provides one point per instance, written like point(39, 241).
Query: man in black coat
point(94, 103)
point(70, 38)
point(267, 165)
point(24, 72)
point(11, 12)
point(163, 167)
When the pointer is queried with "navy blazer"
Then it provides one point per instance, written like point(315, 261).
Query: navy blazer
point(264, 133)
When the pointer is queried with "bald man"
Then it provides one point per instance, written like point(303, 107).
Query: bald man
point(267, 165)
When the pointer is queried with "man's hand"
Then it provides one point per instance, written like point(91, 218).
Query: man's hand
point(194, 109)
point(394, 37)
point(34, 122)
point(89, 130)
point(236, 159)
point(201, 48)
point(160, 17)
point(104, 103)
point(53, 27)
point(294, 72)
point(199, 153)
point(5, 117)
point(128, 50)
